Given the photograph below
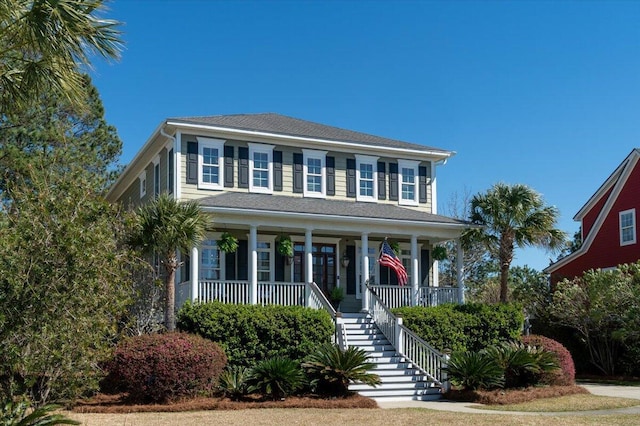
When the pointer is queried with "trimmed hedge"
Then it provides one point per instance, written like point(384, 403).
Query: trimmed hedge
point(251, 333)
point(567, 373)
point(162, 367)
point(468, 327)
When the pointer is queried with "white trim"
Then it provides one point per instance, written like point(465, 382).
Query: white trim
point(412, 165)
point(434, 188)
point(177, 164)
point(142, 177)
point(218, 145)
point(633, 226)
point(367, 159)
point(271, 239)
point(259, 148)
point(221, 256)
point(308, 154)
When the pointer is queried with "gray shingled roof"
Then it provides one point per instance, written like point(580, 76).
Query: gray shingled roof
point(283, 125)
point(279, 203)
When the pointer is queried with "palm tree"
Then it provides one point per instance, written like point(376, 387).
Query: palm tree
point(165, 226)
point(512, 216)
point(45, 43)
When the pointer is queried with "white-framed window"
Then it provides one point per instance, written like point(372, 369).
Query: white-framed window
point(210, 260)
point(142, 178)
point(261, 168)
point(156, 176)
point(408, 182)
point(628, 227)
point(315, 173)
point(265, 270)
point(210, 166)
point(366, 178)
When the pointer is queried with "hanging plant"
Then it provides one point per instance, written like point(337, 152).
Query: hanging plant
point(228, 243)
point(395, 246)
point(439, 253)
point(285, 246)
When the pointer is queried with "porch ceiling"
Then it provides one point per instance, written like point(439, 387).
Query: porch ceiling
point(335, 215)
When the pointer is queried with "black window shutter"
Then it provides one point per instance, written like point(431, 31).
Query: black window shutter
point(279, 262)
point(331, 175)
point(424, 266)
point(228, 166)
point(277, 170)
point(393, 181)
point(242, 256)
point(351, 178)
point(243, 167)
point(351, 270)
point(186, 266)
point(298, 173)
point(382, 184)
point(192, 162)
point(230, 266)
point(422, 181)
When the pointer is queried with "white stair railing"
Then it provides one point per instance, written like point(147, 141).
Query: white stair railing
point(427, 359)
point(318, 300)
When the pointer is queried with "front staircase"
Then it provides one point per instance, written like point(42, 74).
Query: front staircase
point(400, 379)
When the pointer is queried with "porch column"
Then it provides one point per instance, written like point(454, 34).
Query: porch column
point(460, 270)
point(364, 239)
point(415, 271)
point(253, 265)
point(195, 264)
point(308, 253)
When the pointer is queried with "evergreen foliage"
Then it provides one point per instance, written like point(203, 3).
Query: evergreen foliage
point(277, 377)
point(250, 333)
point(468, 327)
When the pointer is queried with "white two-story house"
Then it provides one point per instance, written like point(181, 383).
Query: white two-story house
point(336, 193)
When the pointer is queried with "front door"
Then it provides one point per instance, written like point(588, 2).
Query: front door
point(324, 265)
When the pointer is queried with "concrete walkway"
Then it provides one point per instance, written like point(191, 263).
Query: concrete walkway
point(632, 392)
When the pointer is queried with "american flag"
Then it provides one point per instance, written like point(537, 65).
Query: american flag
point(388, 258)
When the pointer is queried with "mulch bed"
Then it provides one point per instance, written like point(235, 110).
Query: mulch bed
point(116, 404)
point(513, 396)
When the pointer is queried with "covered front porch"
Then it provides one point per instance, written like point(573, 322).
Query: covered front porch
point(336, 244)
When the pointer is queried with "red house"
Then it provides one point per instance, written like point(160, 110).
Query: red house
point(608, 220)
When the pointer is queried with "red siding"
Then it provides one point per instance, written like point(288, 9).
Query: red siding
point(605, 251)
point(589, 219)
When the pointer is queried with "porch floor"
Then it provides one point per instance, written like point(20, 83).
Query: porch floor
point(350, 304)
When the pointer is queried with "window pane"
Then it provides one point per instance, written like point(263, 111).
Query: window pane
point(627, 235)
point(210, 261)
point(408, 192)
point(626, 220)
point(366, 171)
point(261, 178)
point(314, 183)
point(408, 175)
point(314, 166)
point(210, 174)
point(366, 188)
point(260, 160)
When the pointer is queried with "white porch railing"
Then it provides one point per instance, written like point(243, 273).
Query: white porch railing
point(235, 292)
point(394, 296)
point(287, 294)
point(426, 358)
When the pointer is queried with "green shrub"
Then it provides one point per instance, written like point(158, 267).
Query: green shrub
point(249, 333)
point(330, 370)
point(160, 367)
point(21, 414)
point(233, 382)
point(277, 377)
point(566, 374)
point(469, 327)
point(475, 370)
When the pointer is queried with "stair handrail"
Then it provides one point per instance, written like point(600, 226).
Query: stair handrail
point(428, 360)
point(318, 300)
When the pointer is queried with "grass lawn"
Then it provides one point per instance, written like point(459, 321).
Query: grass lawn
point(341, 417)
point(566, 403)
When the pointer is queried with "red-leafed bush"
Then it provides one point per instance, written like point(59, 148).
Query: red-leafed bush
point(567, 373)
point(162, 367)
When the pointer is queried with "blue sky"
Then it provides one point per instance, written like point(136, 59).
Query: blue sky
point(541, 93)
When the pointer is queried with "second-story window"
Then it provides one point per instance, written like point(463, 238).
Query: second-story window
point(628, 227)
point(210, 170)
point(261, 168)
point(143, 184)
point(408, 181)
point(315, 173)
point(366, 182)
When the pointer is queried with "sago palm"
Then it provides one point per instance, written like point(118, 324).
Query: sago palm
point(512, 216)
point(332, 369)
point(165, 226)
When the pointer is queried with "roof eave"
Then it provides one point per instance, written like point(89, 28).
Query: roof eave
point(438, 154)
